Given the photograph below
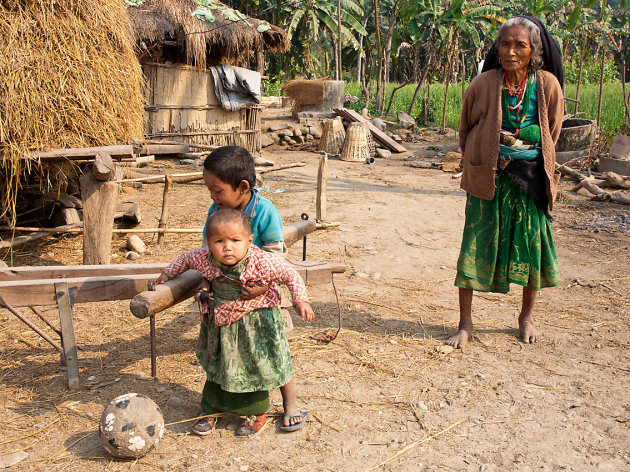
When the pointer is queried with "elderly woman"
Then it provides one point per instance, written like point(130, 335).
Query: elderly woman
point(511, 119)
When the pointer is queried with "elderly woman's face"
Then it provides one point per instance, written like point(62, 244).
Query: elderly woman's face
point(515, 48)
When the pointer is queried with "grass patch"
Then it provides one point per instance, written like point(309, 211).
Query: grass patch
point(611, 118)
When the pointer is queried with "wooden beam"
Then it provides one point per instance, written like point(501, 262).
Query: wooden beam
point(176, 290)
point(88, 289)
point(296, 231)
point(322, 185)
point(381, 137)
point(62, 296)
point(74, 271)
point(116, 152)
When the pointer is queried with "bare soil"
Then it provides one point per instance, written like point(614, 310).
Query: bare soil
point(385, 389)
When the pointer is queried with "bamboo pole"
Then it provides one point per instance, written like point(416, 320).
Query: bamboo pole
point(164, 216)
point(322, 183)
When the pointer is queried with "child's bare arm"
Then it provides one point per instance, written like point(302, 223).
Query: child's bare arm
point(161, 279)
point(305, 311)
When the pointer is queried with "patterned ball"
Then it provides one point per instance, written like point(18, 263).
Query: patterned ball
point(131, 425)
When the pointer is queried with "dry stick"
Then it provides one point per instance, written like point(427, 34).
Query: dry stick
point(322, 184)
point(66, 448)
point(115, 230)
point(589, 184)
point(324, 423)
point(417, 443)
point(191, 176)
point(164, 216)
point(32, 434)
point(28, 323)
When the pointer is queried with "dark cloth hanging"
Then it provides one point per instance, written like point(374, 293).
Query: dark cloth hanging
point(552, 55)
point(530, 178)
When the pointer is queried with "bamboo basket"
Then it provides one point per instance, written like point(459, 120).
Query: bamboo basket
point(333, 136)
point(356, 146)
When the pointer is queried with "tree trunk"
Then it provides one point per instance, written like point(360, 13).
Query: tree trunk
point(447, 79)
point(579, 79)
point(361, 55)
point(427, 101)
point(425, 71)
point(463, 74)
point(260, 61)
point(339, 73)
point(391, 98)
point(379, 56)
point(626, 117)
point(388, 51)
point(601, 87)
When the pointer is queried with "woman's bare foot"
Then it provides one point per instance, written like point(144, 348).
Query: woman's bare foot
point(528, 332)
point(461, 337)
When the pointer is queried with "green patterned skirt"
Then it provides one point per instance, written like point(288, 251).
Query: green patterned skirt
point(506, 240)
point(243, 360)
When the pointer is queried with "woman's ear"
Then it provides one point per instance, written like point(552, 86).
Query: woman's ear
point(243, 187)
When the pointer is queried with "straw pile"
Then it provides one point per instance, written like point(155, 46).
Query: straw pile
point(70, 78)
point(305, 92)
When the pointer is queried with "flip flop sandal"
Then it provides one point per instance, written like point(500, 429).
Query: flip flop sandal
point(296, 426)
point(206, 425)
point(252, 425)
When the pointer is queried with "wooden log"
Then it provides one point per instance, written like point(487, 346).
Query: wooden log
point(164, 215)
point(322, 184)
point(88, 289)
point(74, 271)
point(176, 290)
point(76, 229)
point(296, 231)
point(382, 138)
point(599, 194)
point(116, 152)
point(38, 233)
point(103, 168)
point(64, 306)
point(150, 302)
point(99, 207)
point(129, 210)
point(614, 180)
point(163, 148)
point(66, 217)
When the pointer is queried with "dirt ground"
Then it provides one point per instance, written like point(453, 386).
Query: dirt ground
point(384, 391)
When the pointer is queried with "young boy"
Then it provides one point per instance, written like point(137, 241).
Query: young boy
point(230, 176)
point(242, 343)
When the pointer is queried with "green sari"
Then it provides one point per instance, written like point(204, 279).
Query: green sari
point(507, 239)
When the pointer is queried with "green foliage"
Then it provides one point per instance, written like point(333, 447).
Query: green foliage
point(591, 71)
point(612, 104)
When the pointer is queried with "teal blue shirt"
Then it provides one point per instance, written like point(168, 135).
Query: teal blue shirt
point(266, 221)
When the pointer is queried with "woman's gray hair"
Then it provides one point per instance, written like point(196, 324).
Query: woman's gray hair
point(534, 38)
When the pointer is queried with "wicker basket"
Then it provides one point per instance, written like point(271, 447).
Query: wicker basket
point(333, 136)
point(356, 147)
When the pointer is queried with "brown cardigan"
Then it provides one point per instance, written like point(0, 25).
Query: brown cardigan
point(480, 128)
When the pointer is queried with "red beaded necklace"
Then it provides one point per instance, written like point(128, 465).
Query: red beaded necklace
point(520, 93)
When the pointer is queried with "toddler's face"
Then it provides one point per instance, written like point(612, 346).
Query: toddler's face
point(229, 242)
point(223, 195)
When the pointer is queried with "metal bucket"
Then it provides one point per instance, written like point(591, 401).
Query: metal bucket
point(576, 134)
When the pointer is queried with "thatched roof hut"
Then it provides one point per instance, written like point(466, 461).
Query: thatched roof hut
point(67, 81)
point(199, 32)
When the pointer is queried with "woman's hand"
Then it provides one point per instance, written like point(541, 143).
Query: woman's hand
point(252, 289)
point(305, 311)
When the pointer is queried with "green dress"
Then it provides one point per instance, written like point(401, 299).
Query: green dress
point(507, 239)
point(243, 360)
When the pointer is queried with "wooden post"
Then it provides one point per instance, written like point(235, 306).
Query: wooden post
point(164, 216)
point(67, 334)
point(322, 183)
point(99, 206)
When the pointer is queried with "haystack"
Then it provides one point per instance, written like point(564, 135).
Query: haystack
point(199, 32)
point(70, 78)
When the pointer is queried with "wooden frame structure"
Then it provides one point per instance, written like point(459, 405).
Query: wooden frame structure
point(65, 286)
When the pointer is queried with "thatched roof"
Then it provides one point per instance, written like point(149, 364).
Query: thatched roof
point(215, 31)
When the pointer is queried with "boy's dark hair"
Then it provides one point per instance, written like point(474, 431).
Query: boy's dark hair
point(229, 215)
point(231, 164)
